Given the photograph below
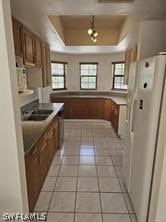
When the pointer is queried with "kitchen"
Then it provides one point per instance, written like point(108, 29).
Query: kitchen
point(94, 171)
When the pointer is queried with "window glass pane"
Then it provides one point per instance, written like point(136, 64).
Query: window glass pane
point(119, 66)
point(119, 79)
point(118, 73)
point(92, 79)
point(55, 85)
point(84, 72)
point(58, 75)
point(88, 82)
point(84, 85)
point(88, 69)
point(84, 79)
point(92, 85)
point(117, 85)
point(61, 85)
point(88, 76)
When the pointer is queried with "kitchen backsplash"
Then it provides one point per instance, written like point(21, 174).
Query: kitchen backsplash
point(29, 98)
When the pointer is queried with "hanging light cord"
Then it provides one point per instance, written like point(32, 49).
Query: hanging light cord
point(92, 31)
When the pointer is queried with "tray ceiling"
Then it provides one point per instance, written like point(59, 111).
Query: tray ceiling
point(34, 14)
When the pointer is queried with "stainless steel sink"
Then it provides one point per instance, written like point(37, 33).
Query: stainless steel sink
point(42, 111)
point(35, 118)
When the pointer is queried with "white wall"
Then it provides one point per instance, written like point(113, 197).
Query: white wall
point(104, 68)
point(152, 38)
point(13, 195)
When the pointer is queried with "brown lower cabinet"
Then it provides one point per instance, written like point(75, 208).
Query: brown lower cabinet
point(115, 116)
point(90, 108)
point(32, 161)
point(82, 108)
point(38, 162)
point(108, 110)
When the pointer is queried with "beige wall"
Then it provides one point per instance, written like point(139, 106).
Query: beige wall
point(104, 69)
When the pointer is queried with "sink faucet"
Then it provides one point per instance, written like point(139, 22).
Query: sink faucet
point(26, 114)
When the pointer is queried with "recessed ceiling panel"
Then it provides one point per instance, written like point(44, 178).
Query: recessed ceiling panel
point(75, 29)
point(102, 22)
point(115, 1)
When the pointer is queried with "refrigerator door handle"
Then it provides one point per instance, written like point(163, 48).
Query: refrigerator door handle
point(133, 116)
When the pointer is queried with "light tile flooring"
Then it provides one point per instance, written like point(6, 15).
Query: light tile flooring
point(85, 183)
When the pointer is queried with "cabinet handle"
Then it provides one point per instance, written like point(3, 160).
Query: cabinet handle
point(34, 151)
point(43, 148)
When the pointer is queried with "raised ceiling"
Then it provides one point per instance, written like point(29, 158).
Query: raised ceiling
point(34, 14)
point(73, 29)
point(115, 1)
point(106, 21)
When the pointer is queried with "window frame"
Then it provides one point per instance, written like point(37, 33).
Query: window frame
point(89, 63)
point(64, 75)
point(114, 76)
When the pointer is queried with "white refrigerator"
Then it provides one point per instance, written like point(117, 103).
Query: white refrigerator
point(128, 134)
point(145, 128)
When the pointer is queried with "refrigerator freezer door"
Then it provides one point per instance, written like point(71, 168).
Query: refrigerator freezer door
point(128, 132)
point(131, 87)
point(146, 127)
point(158, 198)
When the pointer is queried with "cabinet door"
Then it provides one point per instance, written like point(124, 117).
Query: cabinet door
point(38, 51)
point(77, 109)
point(29, 47)
point(33, 177)
point(67, 108)
point(127, 65)
point(94, 108)
point(108, 109)
point(44, 160)
point(115, 116)
point(57, 134)
point(44, 70)
point(133, 56)
point(48, 65)
point(18, 37)
point(51, 145)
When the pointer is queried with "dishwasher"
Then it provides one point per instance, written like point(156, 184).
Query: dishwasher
point(61, 126)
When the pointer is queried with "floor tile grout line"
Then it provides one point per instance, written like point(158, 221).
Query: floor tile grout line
point(71, 191)
point(123, 195)
point(86, 212)
point(75, 204)
point(54, 186)
point(99, 191)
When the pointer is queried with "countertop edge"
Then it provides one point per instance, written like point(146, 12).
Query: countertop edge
point(43, 125)
point(113, 98)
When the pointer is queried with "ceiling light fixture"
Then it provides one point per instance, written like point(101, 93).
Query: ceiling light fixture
point(92, 31)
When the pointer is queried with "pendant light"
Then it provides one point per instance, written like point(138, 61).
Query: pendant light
point(92, 31)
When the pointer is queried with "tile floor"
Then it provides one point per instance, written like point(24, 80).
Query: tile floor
point(85, 183)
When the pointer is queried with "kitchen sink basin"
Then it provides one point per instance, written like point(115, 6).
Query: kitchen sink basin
point(42, 111)
point(36, 118)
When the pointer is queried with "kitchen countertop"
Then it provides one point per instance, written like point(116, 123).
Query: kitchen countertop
point(117, 98)
point(33, 130)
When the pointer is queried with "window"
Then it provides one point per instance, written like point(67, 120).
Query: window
point(58, 71)
point(88, 78)
point(118, 75)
